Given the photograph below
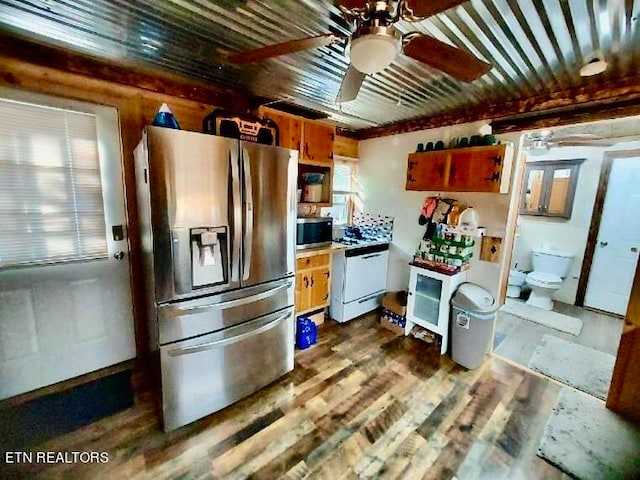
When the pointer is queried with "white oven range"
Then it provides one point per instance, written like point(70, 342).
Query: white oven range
point(359, 279)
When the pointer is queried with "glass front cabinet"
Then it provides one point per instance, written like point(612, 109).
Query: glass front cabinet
point(428, 304)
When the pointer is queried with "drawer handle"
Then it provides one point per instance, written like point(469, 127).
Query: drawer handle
point(179, 312)
point(368, 298)
point(227, 341)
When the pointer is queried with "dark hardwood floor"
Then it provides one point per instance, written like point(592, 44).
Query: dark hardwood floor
point(363, 403)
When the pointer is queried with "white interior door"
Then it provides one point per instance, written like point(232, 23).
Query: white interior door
point(616, 254)
point(60, 318)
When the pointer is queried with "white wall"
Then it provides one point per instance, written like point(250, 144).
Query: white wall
point(565, 234)
point(382, 175)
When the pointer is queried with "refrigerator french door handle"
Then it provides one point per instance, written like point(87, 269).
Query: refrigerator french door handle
point(227, 341)
point(248, 223)
point(179, 312)
point(236, 212)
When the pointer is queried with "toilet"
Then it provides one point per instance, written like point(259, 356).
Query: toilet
point(516, 280)
point(549, 268)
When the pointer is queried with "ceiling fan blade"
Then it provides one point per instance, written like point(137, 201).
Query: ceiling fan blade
point(456, 62)
point(426, 8)
point(284, 48)
point(576, 137)
point(351, 84)
point(584, 143)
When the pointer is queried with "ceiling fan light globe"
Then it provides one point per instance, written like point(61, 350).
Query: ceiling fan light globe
point(594, 67)
point(372, 53)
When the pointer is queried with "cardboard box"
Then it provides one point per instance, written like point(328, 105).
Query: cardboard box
point(317, 318)
point(392, 302)
point(386, 323)
point(392, 321)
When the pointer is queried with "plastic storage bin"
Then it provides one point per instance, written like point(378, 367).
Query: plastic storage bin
point(473, 312)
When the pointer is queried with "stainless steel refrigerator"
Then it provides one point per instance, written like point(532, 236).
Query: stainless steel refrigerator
point(217, 224)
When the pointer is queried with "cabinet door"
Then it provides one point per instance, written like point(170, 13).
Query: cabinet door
point(302, 291)
point(317, 142)
point(428, 171)
point(319, 288)
point(476, 170)
point(533, 190)
point(426, 302)
point(289, 129)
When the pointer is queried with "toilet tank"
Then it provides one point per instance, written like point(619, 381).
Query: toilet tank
point(554, 262)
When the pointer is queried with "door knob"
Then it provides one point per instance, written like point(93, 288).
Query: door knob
point(604, 244)
point(119, 255)
point(634, 249)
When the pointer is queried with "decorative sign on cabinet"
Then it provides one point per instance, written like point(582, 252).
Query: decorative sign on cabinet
point(474, 169)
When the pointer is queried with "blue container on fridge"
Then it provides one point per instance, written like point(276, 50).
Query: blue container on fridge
point(306, 333)
point(164, 118)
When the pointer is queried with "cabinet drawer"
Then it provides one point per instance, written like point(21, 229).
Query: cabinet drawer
point(316, 261)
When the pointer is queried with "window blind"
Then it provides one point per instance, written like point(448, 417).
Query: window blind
point(51, 207)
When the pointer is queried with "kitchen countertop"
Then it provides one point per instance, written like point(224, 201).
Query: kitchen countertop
point(310, 252)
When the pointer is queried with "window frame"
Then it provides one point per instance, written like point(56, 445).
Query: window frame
point(109, 146)
point(548, 168)
point(350, 194)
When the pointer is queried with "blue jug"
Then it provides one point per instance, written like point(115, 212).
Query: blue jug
point(306, 333)
point(164, 118)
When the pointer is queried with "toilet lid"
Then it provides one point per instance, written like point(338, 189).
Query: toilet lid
point(545, 278)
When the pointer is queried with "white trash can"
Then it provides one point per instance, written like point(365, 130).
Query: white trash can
point(474, 309)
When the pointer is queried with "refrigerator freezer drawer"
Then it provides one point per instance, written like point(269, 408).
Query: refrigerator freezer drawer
point(177, 321)
point(205, 374)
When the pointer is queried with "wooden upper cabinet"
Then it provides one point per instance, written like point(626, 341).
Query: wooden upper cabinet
point(289, 127)
point(474, 169)
point(317, 142)
point(428, 171)
point(345, 147)
point(479, 170)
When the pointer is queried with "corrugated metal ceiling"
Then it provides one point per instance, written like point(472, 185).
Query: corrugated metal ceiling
point(535, 46)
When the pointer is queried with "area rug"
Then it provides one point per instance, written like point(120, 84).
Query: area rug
point(554, 320)
point(587, 441)
point(575, 365)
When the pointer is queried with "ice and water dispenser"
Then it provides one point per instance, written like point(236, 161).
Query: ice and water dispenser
point(209, 262)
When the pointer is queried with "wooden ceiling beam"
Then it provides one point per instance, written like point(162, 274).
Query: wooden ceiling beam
point(120, 73)
point(591, 102)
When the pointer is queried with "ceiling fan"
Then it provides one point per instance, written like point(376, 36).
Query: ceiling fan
point(541, 142)
point(375, 43)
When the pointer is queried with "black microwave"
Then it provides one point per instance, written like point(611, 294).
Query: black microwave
point(314, 232)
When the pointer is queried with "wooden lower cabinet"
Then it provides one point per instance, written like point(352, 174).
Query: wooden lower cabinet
point(313, 281)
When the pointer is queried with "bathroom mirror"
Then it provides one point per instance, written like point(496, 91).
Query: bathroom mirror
point(550, 187)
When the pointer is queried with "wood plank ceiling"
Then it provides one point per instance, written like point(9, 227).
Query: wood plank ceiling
point(536, 47)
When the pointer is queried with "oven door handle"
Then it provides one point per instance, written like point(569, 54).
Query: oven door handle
point(228, 341)
point(178, 312)
point(371, 256)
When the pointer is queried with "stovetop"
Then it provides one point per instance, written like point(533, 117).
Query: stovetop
point(358, 236)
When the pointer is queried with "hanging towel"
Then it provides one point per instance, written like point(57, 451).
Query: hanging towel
point(428, 207)
point(441, 212)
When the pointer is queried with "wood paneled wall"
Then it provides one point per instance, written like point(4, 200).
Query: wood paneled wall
point(136, 107)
